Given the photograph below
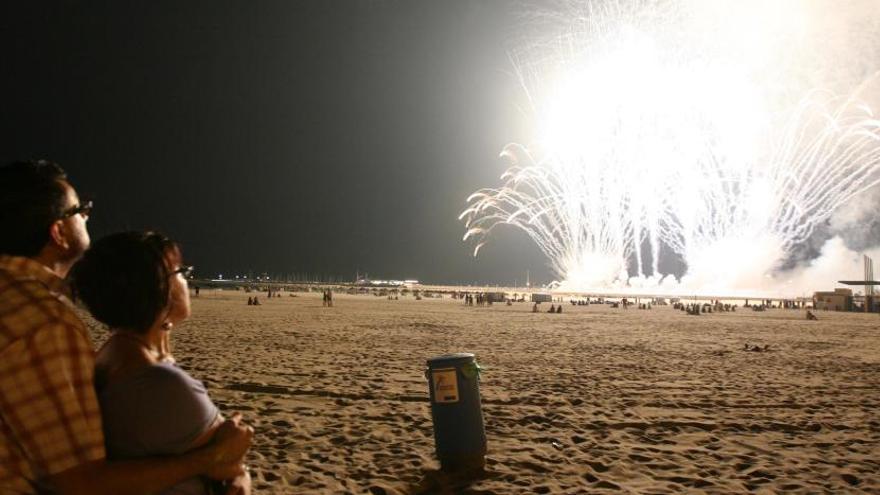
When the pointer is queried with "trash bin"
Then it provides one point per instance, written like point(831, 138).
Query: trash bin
point(459, 436)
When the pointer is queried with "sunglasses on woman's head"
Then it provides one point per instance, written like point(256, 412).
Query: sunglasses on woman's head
point(186, 271)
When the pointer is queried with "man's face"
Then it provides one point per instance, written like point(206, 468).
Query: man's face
point(75, 230)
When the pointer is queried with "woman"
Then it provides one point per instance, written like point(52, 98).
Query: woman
point(135, 283)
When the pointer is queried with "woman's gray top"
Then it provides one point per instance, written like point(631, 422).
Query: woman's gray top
point(158, 410)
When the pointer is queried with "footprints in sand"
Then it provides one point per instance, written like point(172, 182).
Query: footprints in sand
point(310, 442)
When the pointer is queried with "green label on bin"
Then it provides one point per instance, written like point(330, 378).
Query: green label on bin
point(445, 384)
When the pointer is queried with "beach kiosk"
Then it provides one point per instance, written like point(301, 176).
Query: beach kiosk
point(496, 297)
point(539, 297)
point(459, 435)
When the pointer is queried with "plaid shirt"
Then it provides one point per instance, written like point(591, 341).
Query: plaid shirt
point(49, 415)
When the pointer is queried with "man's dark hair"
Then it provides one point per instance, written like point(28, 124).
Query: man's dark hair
point(123, 279)
point(32, 196)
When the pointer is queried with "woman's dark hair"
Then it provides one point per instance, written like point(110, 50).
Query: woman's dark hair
point(123, 279)
point(32, 196)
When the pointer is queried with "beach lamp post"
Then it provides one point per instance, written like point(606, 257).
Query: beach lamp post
point(459, 435)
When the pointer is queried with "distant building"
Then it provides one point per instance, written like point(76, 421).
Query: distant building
point(869, 302)
point(838, 300)
point(538, 298)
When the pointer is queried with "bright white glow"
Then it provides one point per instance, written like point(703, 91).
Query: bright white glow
point(689, 126)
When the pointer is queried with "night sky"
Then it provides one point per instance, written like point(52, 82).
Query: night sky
point(317, 137)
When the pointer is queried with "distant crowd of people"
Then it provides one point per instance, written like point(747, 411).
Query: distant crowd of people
point(327, 297)
point(699, 308)
point(555, 309)
point(479, 299)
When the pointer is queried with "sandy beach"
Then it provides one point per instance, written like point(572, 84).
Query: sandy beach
point(591, 400)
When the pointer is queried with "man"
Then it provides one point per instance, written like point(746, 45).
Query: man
point(50, 424)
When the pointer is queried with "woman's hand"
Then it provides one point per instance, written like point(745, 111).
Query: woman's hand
point(241, 485)
point(226, 472)
point(230, 443)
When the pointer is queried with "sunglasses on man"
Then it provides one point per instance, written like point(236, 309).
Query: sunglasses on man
point(84, 209)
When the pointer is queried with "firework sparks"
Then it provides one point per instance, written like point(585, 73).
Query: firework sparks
point(662, 129)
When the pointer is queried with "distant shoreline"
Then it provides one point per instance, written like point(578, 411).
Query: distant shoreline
point(263, 285)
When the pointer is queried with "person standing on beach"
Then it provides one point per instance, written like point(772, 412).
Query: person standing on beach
point(51, 438)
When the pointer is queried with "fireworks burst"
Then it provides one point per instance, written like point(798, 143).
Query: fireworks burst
point(663, 128)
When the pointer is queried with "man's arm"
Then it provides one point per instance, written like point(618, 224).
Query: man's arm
point(52, 372)
point(144, 476)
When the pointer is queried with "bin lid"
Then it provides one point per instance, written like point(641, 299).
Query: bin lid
point(450, 359)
